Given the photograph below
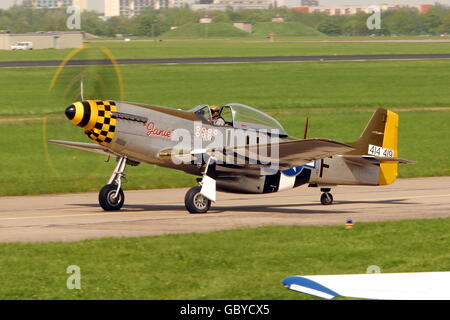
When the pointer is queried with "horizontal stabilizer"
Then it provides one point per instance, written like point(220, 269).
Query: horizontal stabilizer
point(96, 148)
point(390, 286)
point(386, 159)
point(367, 159)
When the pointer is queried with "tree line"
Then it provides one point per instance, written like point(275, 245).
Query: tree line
point(152, 23)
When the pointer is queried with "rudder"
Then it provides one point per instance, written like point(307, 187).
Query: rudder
point(389, 170)
point(380, 138)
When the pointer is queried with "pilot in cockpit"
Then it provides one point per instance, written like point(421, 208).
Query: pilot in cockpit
point(216, 119)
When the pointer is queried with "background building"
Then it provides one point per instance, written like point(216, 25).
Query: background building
point(348, 10)
point(112, 8)
point(310, 3)
point(43, 40)
point(128, 8)
point(238, 4)
point(134, 7)
point(51, 4)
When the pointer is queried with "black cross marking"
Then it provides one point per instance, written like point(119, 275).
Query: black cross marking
point(323, 165)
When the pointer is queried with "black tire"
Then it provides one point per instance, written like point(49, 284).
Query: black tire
point(106, 198)
point(326, 198)
point(195, 202)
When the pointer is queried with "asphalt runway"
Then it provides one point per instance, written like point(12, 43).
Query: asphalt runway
point(73, 217)
point(55, 63)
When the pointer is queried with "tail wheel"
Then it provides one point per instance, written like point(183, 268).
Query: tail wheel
point(326, 198)
point(108, 199)
point(195, 202)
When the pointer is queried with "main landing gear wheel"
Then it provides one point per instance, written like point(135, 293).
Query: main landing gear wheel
point(111, 198)
point(195, 202)
point(326, 198)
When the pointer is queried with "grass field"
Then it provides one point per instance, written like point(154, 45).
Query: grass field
point(267, 86)
point(285, 30)
point(260, 30)
point(228, 48)
point(234, 264)
point(212, 30)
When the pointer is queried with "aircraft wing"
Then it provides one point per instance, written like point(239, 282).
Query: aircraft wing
point(389, 286)
point(297, 152)
point(285, 154)
point(96, 148)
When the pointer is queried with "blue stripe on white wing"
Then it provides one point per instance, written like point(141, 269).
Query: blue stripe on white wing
point(304, 285)
point(296, 170)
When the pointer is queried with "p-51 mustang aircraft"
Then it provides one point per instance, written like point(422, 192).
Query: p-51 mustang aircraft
point(231, 148)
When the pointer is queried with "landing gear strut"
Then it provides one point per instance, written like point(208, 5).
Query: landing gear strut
point(198, 199)
point(326, 198)
point(111, 196)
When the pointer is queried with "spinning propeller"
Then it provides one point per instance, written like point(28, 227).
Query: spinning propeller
point(88, 73)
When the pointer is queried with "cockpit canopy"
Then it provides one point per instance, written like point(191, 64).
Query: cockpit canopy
point(240, 116)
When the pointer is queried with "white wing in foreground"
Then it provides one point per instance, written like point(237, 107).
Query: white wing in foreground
point(388, 286)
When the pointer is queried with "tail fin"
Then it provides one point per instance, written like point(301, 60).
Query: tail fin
point(380, 138)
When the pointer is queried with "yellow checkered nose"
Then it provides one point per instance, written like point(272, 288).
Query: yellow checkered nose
point(95, 117)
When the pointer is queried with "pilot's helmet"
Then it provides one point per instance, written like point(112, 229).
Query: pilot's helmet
point(215, 110)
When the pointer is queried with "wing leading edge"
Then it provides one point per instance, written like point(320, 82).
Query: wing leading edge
point(95, 148)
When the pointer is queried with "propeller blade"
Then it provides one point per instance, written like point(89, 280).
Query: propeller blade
point(75, 83)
